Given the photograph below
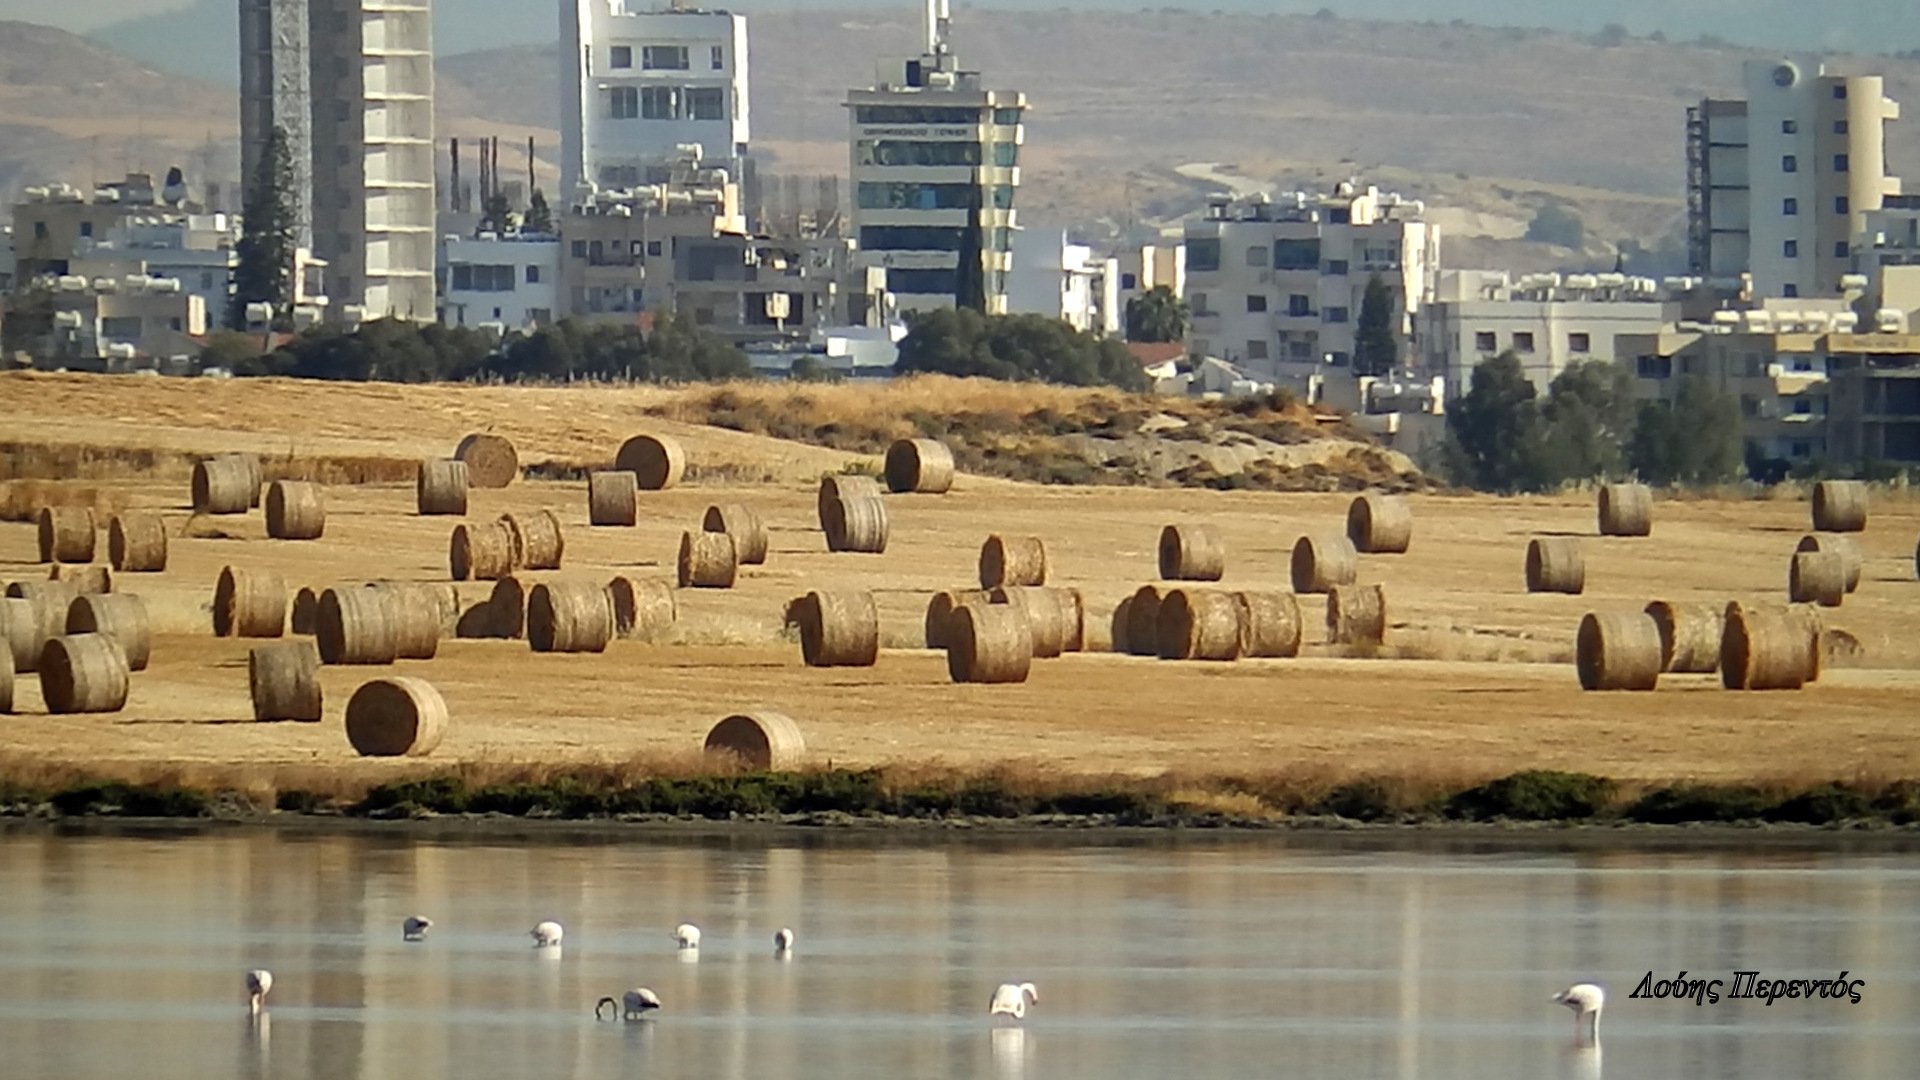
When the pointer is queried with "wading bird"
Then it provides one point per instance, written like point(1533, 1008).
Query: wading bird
point(1012, 1000)
point(688, 935)
point(632, 1005)
point(783, 940)
point(415, 928)
point(1586, 1001)
point(547, 935)
point(259, 981)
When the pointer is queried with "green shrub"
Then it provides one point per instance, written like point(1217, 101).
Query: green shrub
point(1823, 805)
point(1362, 800)
point(1682, 803)
point(439, 794)
point(1535, 795)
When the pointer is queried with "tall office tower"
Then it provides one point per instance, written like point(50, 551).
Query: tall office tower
point(274, 93)
point(935, 165)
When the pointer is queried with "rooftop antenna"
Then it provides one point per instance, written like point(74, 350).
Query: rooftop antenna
point(939, 22)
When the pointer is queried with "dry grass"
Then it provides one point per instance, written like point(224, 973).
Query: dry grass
point(22, 500)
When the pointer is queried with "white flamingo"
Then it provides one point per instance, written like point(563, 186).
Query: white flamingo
point(632, 1005)
point(547, 935)
point(1586, 1000)
point(1012, 999)
point(783, 941)
point(688, 935)
point(415, 928)
point(259, 981)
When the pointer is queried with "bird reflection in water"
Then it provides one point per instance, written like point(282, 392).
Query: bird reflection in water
point(1583, 1062)
point(1011, 1048)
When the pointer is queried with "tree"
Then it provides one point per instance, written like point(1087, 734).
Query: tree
point(963, 342)
point(496, 215)
point(1589, 417)
point(539, 214)
point(264, 272)
point(1496, 430)
point(1376, 348)
point(808, 368)
point(1157, 315)
point(1694, 439)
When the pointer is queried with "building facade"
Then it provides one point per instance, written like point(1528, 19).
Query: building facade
point(1062, 280)
point(195, 250)
point(276, 93)
point(1149, 266)
point(512, 280)
point(1548, 321)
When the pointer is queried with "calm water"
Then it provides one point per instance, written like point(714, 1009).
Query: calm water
point(123, 956)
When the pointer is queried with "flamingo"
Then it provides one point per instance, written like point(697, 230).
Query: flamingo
point(783, 941)
point(688, 935)
point(547, 935)
point(259, 981)
point(415, 927)
point(1586, 1000)
point(633, 1004)
point(1012, 999)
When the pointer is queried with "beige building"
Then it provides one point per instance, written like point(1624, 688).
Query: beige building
point(50, 222)
point(1549, 321)
point(123, 324)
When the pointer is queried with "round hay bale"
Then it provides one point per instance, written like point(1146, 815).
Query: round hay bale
point(743, 523)
point(1626, 510)
point(83, 673)
point(708, 560)
point(491, 460)
point(1618, 651)
point(537, 541)
point(481, 552)
point(1143, 621)
point(1046, 622)
point(122, 617)
point(643, 608)
point(940, 612)
point(1848, 551)
point(919, 466)
point(838, 629)
point(569, 617)
point(284, 678)
point(840, 487)
point(1321, 562)
point(1357, 614)
point(398, 716)
point(66, 534)
point(991, 643)
point(229, 484)
point(507, 608)
point(763, 741)
point(96, 580)
point(137, 543)
point(1073, 616)
point(1198, 624)
point(42, 618)
point(295, 510)
point(1689, 635)
point(1118, 626)
point(1840, 506)
point(611, 499)
point(857, 525)
point(1192, 553)
point(1380, 524)
point(1013, 561)
point(656, 461)
point(357, 626)
point(304, 613)
point(21, 635)
point(249, 603)
point(1555, 564)
point(441, 487)
point(419, 614)
point(1768, 649)
point(1817, 577)
point(1269, 623)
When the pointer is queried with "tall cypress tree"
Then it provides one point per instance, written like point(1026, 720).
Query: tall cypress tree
point(264, 273)
point(1376, 349)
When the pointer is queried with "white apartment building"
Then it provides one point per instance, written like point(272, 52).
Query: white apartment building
point(196, 250)
point(1886, 258)
point(112, 324)
point(1063, 280)
point(1780, 183)
point(1147, 267)
point(1548, 321)
point(1275, 284)
point(935, 164)
point(511, 280)
point(640, 82)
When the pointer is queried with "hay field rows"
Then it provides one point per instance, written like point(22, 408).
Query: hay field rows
point(1475, 681)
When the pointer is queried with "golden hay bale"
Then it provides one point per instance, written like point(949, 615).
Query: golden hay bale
point(441, 487)
point(419, 613)
point(86, 579)
point(357, 626)
point(1198, 624)
point(1840, 506)
point(507, 608)
point(1626, 510)
point(989, 644)
point(229, 484)
point(569, 617)
point(656, 461)
point(1046, 621)
point(641, 608)
point(1013, 561)
point(398, 716)
point(537, 540)
point(762, 740)
point(1769, 648)
point(137, 543)
point(1073, 613)
point(284, 678)
point(1817, 577)
point(1357, 614)
point(611, 499)
point(857, 525)
point(1555, 564)
point(83, 673)
point(1119, 626)
point(122, 617)
point(66, 534)
point(1192, 553)
point(940, 612)
point(249, 603)
point(481, 552)
point(43, 618)
point(1689, 635)
point(491, 460)
point(1143, 621)
point(1321, 562)
point(840, 487)
point(1618, 651)
point(1269, 623)
point(708, 560)
point(920, 466)
point(838, 629)
point(295, 510)
point(22, 633)
point(304, 613)
point(743, 523)
point(1380, 524)
point(1848, 551)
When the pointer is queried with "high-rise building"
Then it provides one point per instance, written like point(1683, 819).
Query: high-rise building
point(276, 94)
point(1780, 183)
point(935, 165)
point(639, 84)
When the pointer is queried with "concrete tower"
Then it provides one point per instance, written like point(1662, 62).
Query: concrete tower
point(275, 93)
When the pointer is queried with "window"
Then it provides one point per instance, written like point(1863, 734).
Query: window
point(1579, 343)
point(1003, 117)
point(1790, 290)
point(923, 281)
point(39, 230)
point(1006, 154)
point(86, 228)
point(1300, 349)
point(579, 249)
point(481, 277)
point(1336, 314)
point(653, 249)
point(539, 316)
point(1340, 216)
point(1485, 341)
point(1296, 254)
point(1791, 249)
point(1338, 359)
point(1197, 302)
point(1839, 127)
point(1256, 350)
point(881, 195)
point(120, 327)
point(1003, 196)
point(719, 57)
point(706, 103)
point(1840, 249)
point(913, 114)
point(1523, 341)
point(1203, 256)
point(1789, 163)
point(912, 237)
point(1839, 91)
point(623, 102)
point(1789, 127)
point(1790, 207)
point(915, 152)
point(1653, 367)
point(663, 57)
point(658, 103)
point(620, 56)
point(1840, 163)
point(1299, 305)
point(1128, 282)
point(1841, 205)
point(1257, 256)
point(1255, 302)
point(533, 275)
point(1337, 268)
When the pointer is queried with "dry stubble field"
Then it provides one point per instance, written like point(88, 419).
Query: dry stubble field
point(1476, 680)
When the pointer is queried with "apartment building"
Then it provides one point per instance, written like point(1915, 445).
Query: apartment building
point(1144, 268)
point(276, 94)
point(510, 280)
point(1549, 321)
point(195, 250)
point(1062, 280)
